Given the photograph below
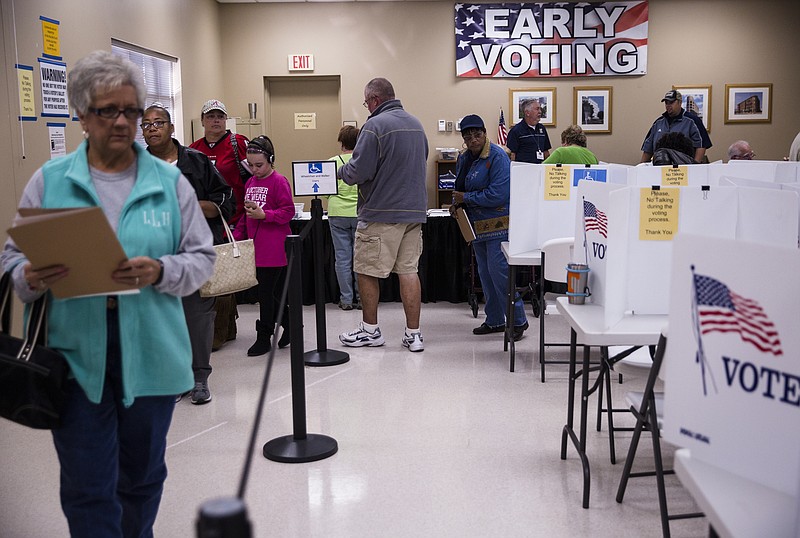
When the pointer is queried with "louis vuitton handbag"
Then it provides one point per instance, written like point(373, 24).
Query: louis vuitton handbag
point(234, 268)
point(32, 376)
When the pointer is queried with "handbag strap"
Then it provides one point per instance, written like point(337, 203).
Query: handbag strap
point(5, 303)
point(37, 320)
point(235, 145)
point(228, 233)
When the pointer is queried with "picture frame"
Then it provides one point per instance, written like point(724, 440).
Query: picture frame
point(591, 109)
point(546, 96)
point(748, 103)
point(697, 98)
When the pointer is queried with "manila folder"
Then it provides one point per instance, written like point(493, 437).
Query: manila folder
point(464, 225)
point(78, 238)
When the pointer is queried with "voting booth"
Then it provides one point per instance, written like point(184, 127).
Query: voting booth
point(629, 266)
point(732, 363)
point(544, 200)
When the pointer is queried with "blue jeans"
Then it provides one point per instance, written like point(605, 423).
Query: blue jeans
point(493, 271)
point(112, 457)
point(343, 232)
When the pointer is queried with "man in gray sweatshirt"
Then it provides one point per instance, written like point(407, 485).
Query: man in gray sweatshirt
point(389, 166)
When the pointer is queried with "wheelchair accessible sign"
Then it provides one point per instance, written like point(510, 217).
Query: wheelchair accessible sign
point(314, 178)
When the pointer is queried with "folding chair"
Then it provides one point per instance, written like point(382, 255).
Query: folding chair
point(556, 254)
point(634, 361)
point(645, 407)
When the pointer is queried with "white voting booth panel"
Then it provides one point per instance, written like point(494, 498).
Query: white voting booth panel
point(533, 220)
point(644, 176)
point(732, 363)
point(633, 274)
point(767, 171)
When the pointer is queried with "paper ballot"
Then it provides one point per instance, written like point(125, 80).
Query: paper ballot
point(80, 239)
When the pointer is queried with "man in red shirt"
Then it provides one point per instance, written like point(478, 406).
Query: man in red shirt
point(218, 143)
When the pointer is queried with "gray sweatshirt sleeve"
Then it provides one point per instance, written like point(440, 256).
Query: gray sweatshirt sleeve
point(193, 265)
point(184, 272)
point(12, 259)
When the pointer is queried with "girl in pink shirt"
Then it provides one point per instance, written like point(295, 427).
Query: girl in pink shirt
point(268, 209)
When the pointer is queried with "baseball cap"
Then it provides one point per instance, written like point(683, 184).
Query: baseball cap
point(672, 95)
point(472, 121)
point(214, 104)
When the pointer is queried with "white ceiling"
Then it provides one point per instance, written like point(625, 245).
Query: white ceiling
point(303, 1)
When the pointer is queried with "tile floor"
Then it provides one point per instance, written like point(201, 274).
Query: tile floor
point(444, 443)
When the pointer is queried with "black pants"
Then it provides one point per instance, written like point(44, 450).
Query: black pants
point(270, 286)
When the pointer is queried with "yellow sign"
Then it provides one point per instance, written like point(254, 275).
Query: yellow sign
point(27, 106)
point(658, 214)
point(556, 183)
point(50, 42)
point(672, 176)
point(305, 120)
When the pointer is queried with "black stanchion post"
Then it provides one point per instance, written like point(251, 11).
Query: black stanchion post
point(322, 356)
point(301, 447)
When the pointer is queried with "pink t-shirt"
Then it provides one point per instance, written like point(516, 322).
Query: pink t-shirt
point(274, 196)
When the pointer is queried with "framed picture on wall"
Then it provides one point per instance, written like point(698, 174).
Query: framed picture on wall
point(592, 108)
point(748, 103)
point(546, 96)
point(698, 100)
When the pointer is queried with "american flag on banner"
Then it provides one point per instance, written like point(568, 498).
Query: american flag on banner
point(594, 219)
point(719, 309)
point(502, 134)
point(551, 39)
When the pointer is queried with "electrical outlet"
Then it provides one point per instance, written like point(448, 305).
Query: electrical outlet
point(449, 127)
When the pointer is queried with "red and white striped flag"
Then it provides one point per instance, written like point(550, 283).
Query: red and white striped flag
point(502, 134)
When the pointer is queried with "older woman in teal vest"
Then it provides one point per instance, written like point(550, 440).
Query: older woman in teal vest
point(129, 354)
point(483, 177)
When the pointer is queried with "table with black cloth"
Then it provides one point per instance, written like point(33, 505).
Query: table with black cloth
point(443, 266)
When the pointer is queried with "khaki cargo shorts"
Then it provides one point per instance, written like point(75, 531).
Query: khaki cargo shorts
point(382, 248)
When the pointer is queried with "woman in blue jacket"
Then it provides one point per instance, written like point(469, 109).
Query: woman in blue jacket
point(482, 188)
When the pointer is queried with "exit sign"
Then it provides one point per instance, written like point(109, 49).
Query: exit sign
point(301, 62)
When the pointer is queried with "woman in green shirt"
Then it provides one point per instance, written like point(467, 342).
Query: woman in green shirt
point(342, 220)
point(573, 149)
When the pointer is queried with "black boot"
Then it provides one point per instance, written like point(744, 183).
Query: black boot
point(285, 339)
point(262, 344)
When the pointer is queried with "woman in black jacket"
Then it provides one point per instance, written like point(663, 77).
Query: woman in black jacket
point(215, 197)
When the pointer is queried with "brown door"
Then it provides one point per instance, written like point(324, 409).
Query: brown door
point(304, 116)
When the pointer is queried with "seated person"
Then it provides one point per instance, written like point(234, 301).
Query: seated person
point(573, 148)
point(740, 151)
point(674, 148)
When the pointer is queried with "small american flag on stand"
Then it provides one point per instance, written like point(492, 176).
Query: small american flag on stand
point(502, 134)
point(594, 219)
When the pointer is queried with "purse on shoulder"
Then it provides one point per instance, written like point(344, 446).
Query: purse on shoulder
point(234, 268)
point(32, 376)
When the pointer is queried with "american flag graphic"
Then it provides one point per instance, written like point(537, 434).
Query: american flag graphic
point(502, 134)
point(719, 309)
point(480, 56)
point(594, 219)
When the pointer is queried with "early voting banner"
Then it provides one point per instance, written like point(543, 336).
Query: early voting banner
point(551, 39)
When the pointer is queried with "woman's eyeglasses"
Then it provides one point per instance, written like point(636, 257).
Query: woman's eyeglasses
point(147, 125)
point(112, 112)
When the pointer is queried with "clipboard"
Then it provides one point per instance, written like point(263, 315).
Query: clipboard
point(464, 225)
point(79, 238)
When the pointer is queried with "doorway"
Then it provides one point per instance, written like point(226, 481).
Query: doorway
point(304, 116)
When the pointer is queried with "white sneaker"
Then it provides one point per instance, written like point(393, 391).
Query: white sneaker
point(413, 342)
point(362, 337)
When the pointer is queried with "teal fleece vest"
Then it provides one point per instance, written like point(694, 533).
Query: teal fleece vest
point(154, 341)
